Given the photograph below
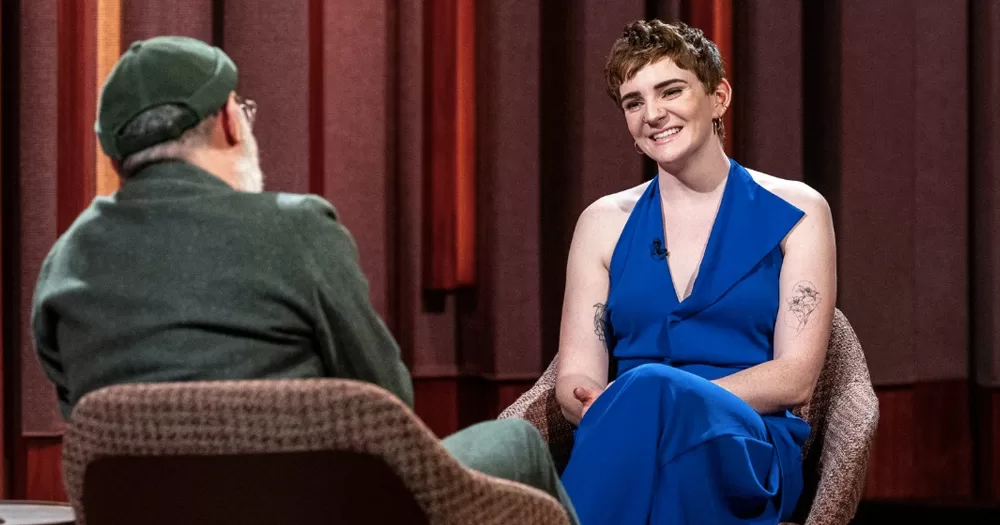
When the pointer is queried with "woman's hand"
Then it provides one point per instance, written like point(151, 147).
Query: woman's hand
point(586, 396)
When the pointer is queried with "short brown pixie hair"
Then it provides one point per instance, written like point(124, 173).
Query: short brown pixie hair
point(645, 42)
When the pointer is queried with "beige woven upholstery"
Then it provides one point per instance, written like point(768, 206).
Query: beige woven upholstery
point(276, 419)
point(843, 414)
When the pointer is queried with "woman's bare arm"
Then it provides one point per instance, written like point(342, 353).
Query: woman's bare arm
point(808, 291)
point(583, 350)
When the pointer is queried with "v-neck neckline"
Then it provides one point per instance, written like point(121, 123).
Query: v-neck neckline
point(713, 235)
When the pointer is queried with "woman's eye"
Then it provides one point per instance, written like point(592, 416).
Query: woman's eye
point(629, 106)
point(670, 93)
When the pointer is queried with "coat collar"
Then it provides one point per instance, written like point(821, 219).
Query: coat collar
point(170, 179)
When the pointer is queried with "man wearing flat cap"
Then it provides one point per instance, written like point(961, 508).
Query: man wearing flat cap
point(189, 272)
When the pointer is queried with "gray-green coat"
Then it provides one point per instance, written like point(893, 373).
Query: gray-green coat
point(179, 277)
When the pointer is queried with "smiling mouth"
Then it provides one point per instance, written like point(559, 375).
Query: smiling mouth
point(664, 135)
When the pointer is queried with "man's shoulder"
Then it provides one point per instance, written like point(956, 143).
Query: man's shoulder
point(308, 215)
point(302, 203)
point(313, 219)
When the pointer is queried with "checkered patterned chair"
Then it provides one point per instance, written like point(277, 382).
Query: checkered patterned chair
point(843, 414)
point(274, 451)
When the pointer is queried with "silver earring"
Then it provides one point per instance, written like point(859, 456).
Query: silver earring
point(720, 128)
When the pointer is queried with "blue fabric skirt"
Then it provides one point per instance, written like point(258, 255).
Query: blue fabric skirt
point(662, 445)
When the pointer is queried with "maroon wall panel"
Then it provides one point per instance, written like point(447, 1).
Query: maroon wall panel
point(668, 10)
point(4, 246)
point(602, 157)
point(509, 171)
point(985, 168)
point(427, 335)
point(901, 237)
point(356, 130)
point(586, 149)
point(278, 80)
point(985, 55)
point(769, 118)
point(38, 199)
point(143, 19)
point(940, 167)
point(876, 230)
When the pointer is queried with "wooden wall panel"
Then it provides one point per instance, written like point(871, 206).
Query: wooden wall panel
point(450, 144)
point(890, 468)
point(447, 405)
point(77, 104)
point(441, 169)
point(44, 481)
point(913, 458)
point(923, 446)
point(109, 32)
point(466, 124)
point(508, 392)
point(317, 107)
point(987, 450)
point(436, 402)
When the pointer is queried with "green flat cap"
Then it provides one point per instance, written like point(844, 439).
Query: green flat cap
point(163, 70)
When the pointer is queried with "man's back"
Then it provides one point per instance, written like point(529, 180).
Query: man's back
point(180, 277)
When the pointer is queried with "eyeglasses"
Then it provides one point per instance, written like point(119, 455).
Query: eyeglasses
point(249, 108)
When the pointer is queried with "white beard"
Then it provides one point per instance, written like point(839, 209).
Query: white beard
point(251, 178)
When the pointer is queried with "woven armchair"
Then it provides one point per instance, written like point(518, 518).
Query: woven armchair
point(274, 451)
point(843, 414)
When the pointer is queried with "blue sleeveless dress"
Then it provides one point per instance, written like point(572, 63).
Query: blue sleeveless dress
point(664, 444)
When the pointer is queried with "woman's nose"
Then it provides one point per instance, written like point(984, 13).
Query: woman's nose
point(654, 112)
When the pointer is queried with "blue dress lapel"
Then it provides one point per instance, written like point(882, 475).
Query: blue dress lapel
point(750, 224)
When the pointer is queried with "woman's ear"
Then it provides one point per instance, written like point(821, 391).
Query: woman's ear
point(723, 97)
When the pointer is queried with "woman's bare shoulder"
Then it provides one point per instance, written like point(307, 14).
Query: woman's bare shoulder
point(797, 193)
point(621, 202)
point(615, 207)
point(602, 222)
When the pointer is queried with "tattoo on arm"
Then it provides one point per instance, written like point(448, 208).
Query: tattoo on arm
point(804, 301)
point(601, 323)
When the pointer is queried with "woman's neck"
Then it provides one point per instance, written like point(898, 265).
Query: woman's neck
point(702, 173)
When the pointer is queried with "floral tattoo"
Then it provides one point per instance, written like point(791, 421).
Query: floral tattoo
point(804, 301)
point(601, 323)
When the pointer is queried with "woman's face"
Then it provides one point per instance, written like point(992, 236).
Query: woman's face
point(668, 112)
